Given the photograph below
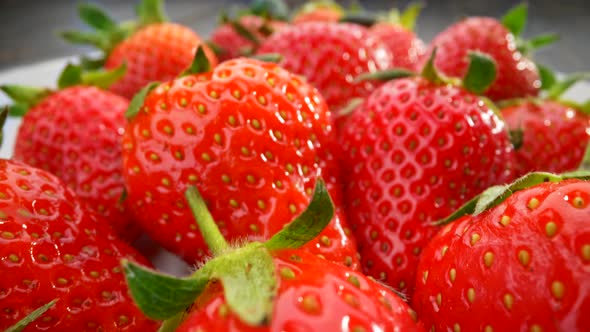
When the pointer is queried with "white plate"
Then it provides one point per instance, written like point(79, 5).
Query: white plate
point(46, 73)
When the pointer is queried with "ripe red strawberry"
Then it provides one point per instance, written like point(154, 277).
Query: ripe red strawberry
point(339, 53)
point(413, 153)
point(519, 266)
point(233, 41)
point(75, 133)
point(319, 11)
point(251, 136)
point(52, 248)
point(517, 75)
point(549, 134)
point(270, 286)
point(396, 31)
point(152, 49)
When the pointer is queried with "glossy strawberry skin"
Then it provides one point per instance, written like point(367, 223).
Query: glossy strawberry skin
point(412, 154)
point(51, 248)
point(157, 52)
point(76, 134)
point(521, 266)
point(517, 75)
point(313, 295)
point(406, 48)
point(233, 45)
point(339, 53)
point(555, 135)
point(251, 137)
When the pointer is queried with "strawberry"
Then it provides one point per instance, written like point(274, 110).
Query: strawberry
point(549, 134)
point(396, 31)
point(52, 248)
point(340, 53)
point(517, 75)
point(271, 286)
point(518, 263)
point(75, 133)
point(415, 150)
point(250, 135)
point(151, 48)
point(243, 36)
point(319, 11)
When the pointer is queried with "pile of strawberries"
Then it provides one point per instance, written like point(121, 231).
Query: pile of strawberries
point(322, 170)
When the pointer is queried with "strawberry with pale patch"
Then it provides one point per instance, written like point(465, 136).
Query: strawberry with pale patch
point(413, 152)
point(270, 286)
point(151, 48)
point(251, 136)
point(54, 249)
point(519, 260)
point(75, 133)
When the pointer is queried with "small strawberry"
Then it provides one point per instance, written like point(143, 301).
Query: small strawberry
point(520, 262)
point(549, 134)
point(396, 31)
point(271, 286)
point(250, 135)
point(319, 11)
point(517, 75)
point(330, 56)
point(75, 133)
point(243, 36)
point(413, 152)
point(53, 249)
point(151, 48)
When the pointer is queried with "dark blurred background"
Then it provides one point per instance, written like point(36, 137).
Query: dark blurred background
point(28, 28)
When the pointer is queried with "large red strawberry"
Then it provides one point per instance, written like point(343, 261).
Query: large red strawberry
point(412, 153)
point(51, 248)
point(271, 286)
point(151, 48)
point(517, 75)
point(549, 134)
point(251, 136)
point(243, 36)
point(331, 56)
point(517, 265)
point(75, 133)
point(396, 31)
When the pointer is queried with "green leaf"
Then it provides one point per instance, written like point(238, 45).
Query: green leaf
point(24, 95)
point(542, 40)
point(432, 74)
point(161, 296)
point(350, 106)
point(104, 78)
point(23, 323)
point(91, 64)
point(200, 63)
point(385, 75)
point(96, 39)
point(171, 324)
point(409, 16)
point(275, 9)
point(515, 19)
point(308, 224)
point(249, 282)
point(218, 50)
point(3, 117)
point(137, 101)
point(268, 57)
point(150, 12)
point(362, 18)
point(480, 74)
point(548, 78)
point(70, 76)
point(17, 110)
point(207, 226)
point(96, 17)
point(495, 195)
point(241, 30)
point(562, 86)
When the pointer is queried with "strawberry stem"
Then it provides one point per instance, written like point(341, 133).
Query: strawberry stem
point(213, 237)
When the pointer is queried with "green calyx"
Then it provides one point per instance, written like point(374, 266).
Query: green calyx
point(515, 21)
point(23, 97)
point(495, 195)
point(247, 273)
point(269, 9)
point(23, 323)
point(106, 32)
point(554, 88)
point(200, 63)
point(406, 19)
point(138, 100)
point(3, 117)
